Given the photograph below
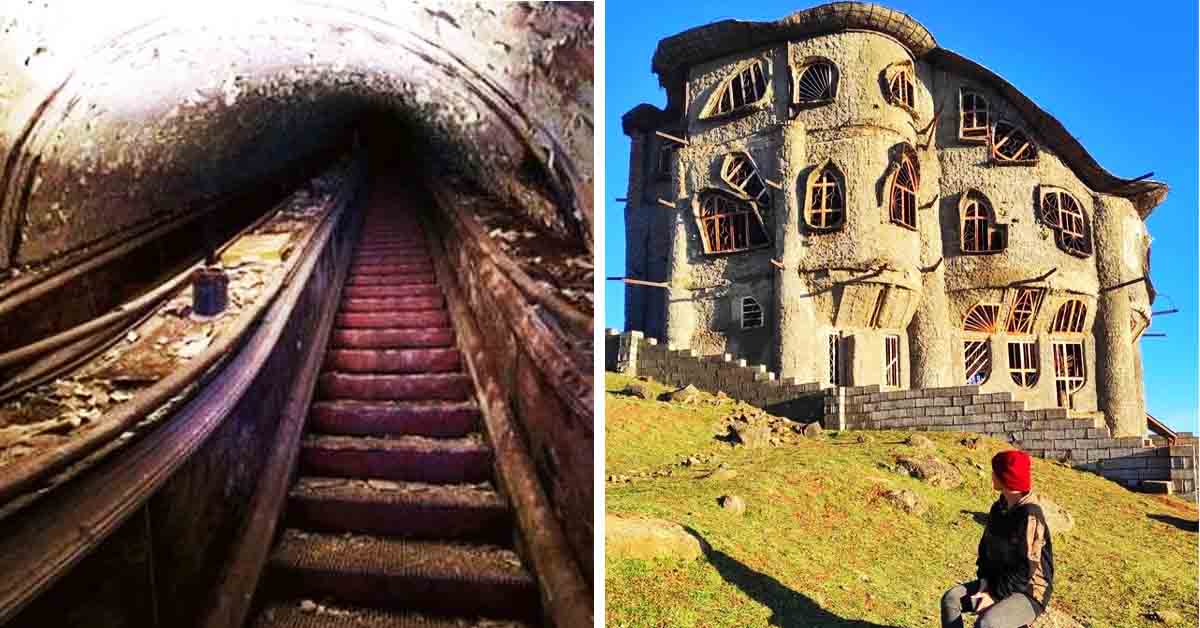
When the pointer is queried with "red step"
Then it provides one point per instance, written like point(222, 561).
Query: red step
point(439, 419)
point(425, 266)
point(358, 292)
point(415, 317)
point(393, 360)
point(406, 458)
point(409, 509)
point(391, 338)
point(424, 297)
point(390, 280)
point(444, 386)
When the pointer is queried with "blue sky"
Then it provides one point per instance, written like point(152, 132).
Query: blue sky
point(1124, 82)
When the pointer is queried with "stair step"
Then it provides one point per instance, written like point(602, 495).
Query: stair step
point(393, 360)
point(407, 458)
point(376, 292)
point(414, 316)
point(425, 266)
point(444, 386)
point(425, 576)
point(372, 418)
point(293, 614)
point(391, 247)
point(419, 297)
point(391, 280)
point(391, 338)
point(407, 509)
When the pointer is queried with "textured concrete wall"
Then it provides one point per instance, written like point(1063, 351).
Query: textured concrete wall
point(831, 281)
point(115, 116)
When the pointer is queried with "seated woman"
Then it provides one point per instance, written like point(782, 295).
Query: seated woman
point(1015, 568)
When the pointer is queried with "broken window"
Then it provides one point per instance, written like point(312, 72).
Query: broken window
point(901, 89)
point(745, 88)
point(1024, 310)
point(982, 318)
point(902, 196)
point(1023, 362)
point(1070, 318)
point(740, 172)
point(891, 360)
point(1061, 212)
point(836, 365)
point(877, 311)
point(728, 224)
point(980, 233)
point(817, 83)
point(1069, 373)
point(1011, 145)
point(973, 117)
point(666, 157)
point(751, 313)
point(825, 204)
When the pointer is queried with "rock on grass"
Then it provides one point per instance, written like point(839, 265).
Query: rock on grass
point(628, 537)
point(930, 470)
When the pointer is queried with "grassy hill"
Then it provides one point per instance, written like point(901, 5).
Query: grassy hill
point(817, 546)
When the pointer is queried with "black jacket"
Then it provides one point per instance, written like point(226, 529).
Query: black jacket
point(1015, 553)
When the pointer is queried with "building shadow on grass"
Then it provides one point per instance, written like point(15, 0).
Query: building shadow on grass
point(1178, 522)
point(789, 609)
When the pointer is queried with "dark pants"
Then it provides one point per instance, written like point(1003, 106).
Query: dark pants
point(1013, 611)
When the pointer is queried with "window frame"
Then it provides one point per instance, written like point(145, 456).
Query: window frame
point(838, 184)
point(1070, 319)
point(1067, 382)
point(1026, 303)
point(831, 86)
point(763, 195)
point(999, 158)
point(1025, 370)
point(1074, 238)
point(989, 228)
point(747, 213)
point(837, 359)
point(666, 157)
point(974, 134)
point(898, 193)
point(980, 323)
point(1138, 324)
point(902, 86)
point(713, 108)
point(762, 318)
point(891, 360)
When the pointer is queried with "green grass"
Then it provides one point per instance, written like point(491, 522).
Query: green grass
point(818, 547)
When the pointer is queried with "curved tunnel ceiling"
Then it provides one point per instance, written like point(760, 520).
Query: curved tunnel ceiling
point(111, 118)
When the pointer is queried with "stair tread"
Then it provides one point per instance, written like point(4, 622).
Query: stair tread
point(393, 492)
point(403, 443)
point(419, 417)
point(310, 614)
point(364, 554)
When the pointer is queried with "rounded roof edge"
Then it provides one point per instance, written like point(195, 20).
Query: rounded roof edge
point(714, 40)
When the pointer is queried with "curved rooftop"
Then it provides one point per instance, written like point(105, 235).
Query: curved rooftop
point(675, 54)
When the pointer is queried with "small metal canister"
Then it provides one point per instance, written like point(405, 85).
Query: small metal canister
point(210, 291)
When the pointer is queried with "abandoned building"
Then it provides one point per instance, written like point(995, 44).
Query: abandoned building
point(834, 196)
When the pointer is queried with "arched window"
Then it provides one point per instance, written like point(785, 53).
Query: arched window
point(751, 314)
point(1024, 310)
point(1023, 362)
point(900, 87)
point(902, 196)
point(1011, 145)
point(1069, 318)
point(978, 326)
point(738, 170)
point(746, 87)
point(729, 225)
point(973, 116)
point(1061, 212)
point(817, 83)
point(980, 233)
point(825, 202)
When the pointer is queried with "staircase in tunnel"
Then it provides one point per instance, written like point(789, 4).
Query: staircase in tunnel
point(394, 519)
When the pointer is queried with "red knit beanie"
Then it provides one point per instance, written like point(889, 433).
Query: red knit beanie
point(1012, 469)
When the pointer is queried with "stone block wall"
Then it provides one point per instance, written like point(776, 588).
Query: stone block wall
point(1083, 441)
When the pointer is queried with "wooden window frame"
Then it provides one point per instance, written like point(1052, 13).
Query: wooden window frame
point(1070, 319)
point(740, 172)
point(824, 86)
point(974, 119)
point(826, 176)
point(1023, 362)
point(1001, 140)
point(902, 87)
point(1070, 371)
point(979, 324)
point(982, 318)
point(891, 360)
point(1023, 313)
point(903, 186)
point(1062, 212)
point(755, 314)
point(666, 158)
point(743, 81)
point(1138, 323)
point(741, 217)
point(837, 360)
point(978, 220)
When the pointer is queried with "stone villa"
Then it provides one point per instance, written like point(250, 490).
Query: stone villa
point(834, 196)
